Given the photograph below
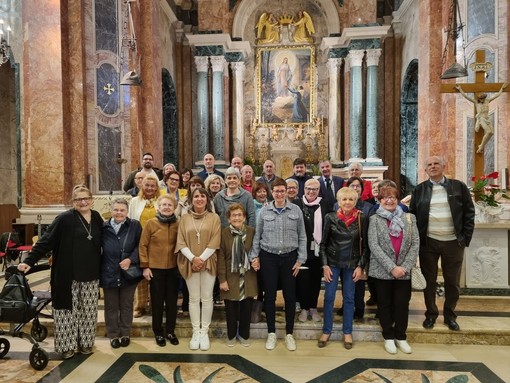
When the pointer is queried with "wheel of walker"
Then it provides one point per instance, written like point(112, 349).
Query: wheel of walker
point(39, 332)
point(38, 359)
point(4, 347)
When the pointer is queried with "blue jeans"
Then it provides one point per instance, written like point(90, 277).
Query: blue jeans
point(348, 300)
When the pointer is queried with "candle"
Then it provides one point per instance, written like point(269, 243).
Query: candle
point(8, 34)
point(502, 175)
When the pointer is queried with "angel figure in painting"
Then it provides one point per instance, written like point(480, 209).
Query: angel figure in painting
point(303, 28)
point(482, 119)
point(268, 30)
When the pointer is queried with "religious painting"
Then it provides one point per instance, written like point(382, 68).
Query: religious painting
point(285, 84)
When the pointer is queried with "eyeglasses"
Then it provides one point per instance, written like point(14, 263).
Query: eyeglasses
point(354, 186)
point(174, 179)
point(279, 191)
point(148, 159)
point(291, 188)
point(389, 198)
point(312, 189)
point(84, 199)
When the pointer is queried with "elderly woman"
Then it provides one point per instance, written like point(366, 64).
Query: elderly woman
point(238, 281)
point(342, 255)
point(159, 264)
point(292, 189)
point(308, 283)
point(394, 244)
point(120, 238)
point(143, 208)
point(234, 194)
point(185, 204)
point(198, 239)
point(75, 239)
point(214, 184)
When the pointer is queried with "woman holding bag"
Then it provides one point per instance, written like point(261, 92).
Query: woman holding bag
point(394, 243)
point(119, 237)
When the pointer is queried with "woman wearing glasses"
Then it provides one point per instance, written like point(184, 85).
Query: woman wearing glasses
point(173, 183)
point(74, 237)
point(308, 283)
point(394, 243)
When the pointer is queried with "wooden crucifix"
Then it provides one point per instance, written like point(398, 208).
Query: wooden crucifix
point(481, 105)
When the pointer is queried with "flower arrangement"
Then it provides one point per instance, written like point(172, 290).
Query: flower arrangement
point(490, 193)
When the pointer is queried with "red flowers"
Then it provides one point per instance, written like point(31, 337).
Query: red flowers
point(487, 193)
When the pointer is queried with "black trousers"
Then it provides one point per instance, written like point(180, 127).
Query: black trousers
point(308, 283)
point(274, 268)
point(393, 298)
point(451, 255)
point(164, 287)
point(238, 317)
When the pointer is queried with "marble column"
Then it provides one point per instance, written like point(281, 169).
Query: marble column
point(202, 63)
point(355, 106)
point(218, 65)
point(334, 137)
point(372, 81)
point(238, 139)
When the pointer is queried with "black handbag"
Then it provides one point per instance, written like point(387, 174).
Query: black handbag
point(133, 273)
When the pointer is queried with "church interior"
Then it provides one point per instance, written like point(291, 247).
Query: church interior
point(88, 86)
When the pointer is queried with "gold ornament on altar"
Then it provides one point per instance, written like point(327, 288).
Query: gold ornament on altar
point(268, 29)
point(303, 28)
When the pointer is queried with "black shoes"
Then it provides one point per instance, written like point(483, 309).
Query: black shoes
point(428, 323)
point(160, 341)
point(115, 343)
point(173, 339)
point(452, 324)
point(124, 341)
point(371, 301)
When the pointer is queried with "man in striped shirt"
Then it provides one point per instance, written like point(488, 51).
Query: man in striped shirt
point(445, 216)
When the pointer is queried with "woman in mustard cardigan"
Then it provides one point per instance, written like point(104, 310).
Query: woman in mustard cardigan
point(159, 264)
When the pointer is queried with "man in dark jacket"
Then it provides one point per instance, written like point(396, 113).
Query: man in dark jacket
point(147, 168)
point(299, 166)
point(445, 216)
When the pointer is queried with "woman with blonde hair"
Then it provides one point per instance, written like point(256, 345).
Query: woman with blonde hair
point(198, 239)
point(74, 237)
point(143, 208)
point(214, 184)
point(343, 255)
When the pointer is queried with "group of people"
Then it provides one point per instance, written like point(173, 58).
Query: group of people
point(250, 239)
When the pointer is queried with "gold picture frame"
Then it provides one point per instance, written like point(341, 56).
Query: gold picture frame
point(285, 85)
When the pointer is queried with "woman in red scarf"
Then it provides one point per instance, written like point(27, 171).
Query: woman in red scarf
point(343, 255)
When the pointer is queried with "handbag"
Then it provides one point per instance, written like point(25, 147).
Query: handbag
point(133, 273)
point(418, 281)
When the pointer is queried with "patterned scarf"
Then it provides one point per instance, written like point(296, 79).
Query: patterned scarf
point(240, 261)
point(347, 219)
point(395, 218)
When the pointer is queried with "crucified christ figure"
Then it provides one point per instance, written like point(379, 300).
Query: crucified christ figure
point(482, 118)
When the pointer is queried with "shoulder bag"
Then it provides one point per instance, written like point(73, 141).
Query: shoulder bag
point(418, 281)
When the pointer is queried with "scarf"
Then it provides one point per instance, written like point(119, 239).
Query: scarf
point(395, 218)
point(347, 219)
point(317, 219)
point(166, 218)
point(239, 257)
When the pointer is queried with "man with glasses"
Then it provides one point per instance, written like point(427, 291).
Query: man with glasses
point(279, 250)
point(146, 169)
point(445, 216)
point(133, 192)
point(356, 170)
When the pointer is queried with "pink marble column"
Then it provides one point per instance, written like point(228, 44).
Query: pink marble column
point(43, 106)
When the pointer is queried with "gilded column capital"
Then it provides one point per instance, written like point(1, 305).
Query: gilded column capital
point(373, 57)
point(356, 57)
point(218, 63)
point(202, 63)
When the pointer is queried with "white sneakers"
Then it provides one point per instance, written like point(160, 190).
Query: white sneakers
point(315, 315)
point(303, 315)
point(231, 342)
point(290, 343)
point(204, 341)
point(271, 341)
point(390, 345)
point(194, 343)
point(404, 346)
point(244, 342)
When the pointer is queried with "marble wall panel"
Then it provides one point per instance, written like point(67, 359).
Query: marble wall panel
point(8, 149)
point(109, 145)
point(481, 18)
point(108, 89)
point(106, 25)
point(170, 121)
point(214, 15)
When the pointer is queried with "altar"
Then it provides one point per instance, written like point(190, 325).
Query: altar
point(486, 262)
